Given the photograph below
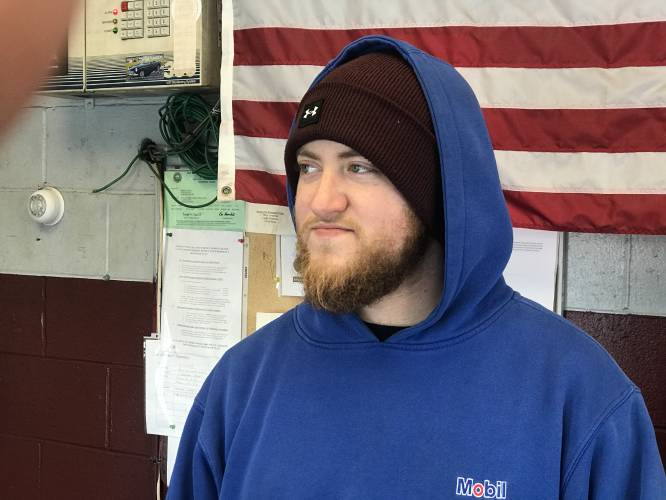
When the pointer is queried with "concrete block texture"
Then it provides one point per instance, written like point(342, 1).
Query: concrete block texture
point(53, 399)
point(19, 476)
point(77, 145)
point(638, 344)
point(76, 246)
point(88, 146)
point(22, 300)
point(647, 287)
point(133, 227)
point(97, 321)
point(73, 412)
point(596, 272)
point(21, 152)
point(73, 472)
point(621, 274)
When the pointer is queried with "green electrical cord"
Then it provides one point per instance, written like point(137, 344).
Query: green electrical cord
point(131, 164)
point(191, 131)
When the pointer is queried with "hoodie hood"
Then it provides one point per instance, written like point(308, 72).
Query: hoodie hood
point(477, 229)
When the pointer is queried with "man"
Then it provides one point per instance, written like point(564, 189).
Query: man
point(411, 371)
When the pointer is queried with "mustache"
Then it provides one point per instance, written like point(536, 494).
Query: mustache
point(312, 221)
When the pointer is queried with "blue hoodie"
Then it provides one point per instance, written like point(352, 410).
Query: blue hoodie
point(491, 396)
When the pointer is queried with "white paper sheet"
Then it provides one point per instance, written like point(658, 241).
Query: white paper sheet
point(532, 268)
point(264, 318)
point(291, 284)
point(201, 319)
point(268, 219)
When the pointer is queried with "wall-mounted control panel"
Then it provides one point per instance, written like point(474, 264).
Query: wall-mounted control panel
point(150, 44)
point(67, 60)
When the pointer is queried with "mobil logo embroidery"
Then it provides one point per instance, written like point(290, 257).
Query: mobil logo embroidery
point(467, 487)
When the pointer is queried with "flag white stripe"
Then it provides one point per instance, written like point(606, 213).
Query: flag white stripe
point(255, 153)
point(349, 14)
point(599, 173)
point(572, 88)
point(607, 173)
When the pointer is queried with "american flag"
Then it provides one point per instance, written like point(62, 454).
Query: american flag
point(574, 95)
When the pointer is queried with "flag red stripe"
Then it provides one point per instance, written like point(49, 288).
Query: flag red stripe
point(606, 46)
point(263, 118)
point(261, 187)
point(599, 213)
point(629, 130)
point(539, 130)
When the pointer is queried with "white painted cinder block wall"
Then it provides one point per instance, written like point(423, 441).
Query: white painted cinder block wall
point(77, 145)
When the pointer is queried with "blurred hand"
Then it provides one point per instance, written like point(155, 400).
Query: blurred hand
point(31, 32)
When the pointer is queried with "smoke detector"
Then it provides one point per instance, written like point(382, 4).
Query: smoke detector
point(46, 206)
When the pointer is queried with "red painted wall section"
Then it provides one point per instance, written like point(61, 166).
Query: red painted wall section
point(638, 344)
point(71, 390)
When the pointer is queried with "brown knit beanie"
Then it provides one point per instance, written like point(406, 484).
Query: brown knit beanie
point(374, 104)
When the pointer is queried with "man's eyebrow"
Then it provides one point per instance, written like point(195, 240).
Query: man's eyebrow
point(348, 153)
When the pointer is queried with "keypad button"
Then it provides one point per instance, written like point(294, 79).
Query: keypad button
point(138, 33)
point(138, 24)
point(149, 31)
point(164, 31)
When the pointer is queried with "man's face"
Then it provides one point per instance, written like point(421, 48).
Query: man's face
point(357, 237)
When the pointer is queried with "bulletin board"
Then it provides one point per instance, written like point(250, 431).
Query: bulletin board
point(262, 282)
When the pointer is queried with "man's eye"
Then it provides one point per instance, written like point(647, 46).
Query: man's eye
point(305, 168)
point(357, 168)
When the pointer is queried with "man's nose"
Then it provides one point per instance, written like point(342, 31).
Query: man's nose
point(329, 198)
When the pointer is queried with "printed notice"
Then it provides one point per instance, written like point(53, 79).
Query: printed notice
point(532, 268)
point(268, 219)
point(201, 319)
point(291, 283)
point(193, 190)
point(173, 378)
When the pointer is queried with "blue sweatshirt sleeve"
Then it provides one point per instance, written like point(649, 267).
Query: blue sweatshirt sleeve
point(192, 477)
point(620, 458)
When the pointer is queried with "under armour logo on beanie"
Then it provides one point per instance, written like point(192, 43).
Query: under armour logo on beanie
point(311, 114)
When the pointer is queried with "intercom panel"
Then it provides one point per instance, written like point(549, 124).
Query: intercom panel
point(151, 43)
point(66, 64)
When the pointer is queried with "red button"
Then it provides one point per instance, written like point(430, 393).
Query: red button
point(115, 12)
point(124, 7)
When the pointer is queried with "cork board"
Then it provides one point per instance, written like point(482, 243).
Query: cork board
point(262, 292)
